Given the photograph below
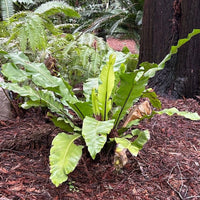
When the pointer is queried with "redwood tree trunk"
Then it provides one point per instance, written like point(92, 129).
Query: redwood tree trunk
point(164, 22)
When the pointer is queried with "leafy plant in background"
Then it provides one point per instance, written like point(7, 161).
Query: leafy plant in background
point(120, 18)
point(29, 28)
point(79, 57)
point(76, 57)
point(7, 9)
point(107, 101)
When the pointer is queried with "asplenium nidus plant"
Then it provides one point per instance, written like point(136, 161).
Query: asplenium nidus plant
point(107, 100)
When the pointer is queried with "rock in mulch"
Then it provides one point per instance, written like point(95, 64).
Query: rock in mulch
point(5, 108)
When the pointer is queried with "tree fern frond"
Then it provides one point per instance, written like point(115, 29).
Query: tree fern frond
point(66, 26)
point(7, 8)
point(115, 25)
point(49, 25)
point(3, 29)
point(30, 29)
point(54, 7)
point(87, 39)
point(83, 26)
point(23, 38)
point(36, 33)
point(23, 1)
point(16, 17)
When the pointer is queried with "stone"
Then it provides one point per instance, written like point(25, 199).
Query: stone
point(5, 107)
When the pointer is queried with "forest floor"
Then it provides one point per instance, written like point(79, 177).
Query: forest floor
point(167, 168)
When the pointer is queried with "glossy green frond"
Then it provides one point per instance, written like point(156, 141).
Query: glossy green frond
point(133, 84)
point(172, 111)
point(95, 134)
point(107, 78)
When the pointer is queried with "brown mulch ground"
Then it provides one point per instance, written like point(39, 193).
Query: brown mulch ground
point(167, 168)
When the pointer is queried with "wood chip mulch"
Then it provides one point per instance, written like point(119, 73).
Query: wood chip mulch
point(168, 168)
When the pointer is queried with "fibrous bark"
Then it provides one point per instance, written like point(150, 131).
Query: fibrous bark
point(164, 23)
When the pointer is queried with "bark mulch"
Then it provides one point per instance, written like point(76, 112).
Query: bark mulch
point(168, 168)
point(118, 44)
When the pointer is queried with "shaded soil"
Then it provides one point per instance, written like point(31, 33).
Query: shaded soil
point(167, 168)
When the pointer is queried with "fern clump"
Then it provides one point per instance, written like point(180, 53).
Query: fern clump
point(30, 28)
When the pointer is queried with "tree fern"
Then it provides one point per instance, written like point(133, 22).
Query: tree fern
point(30, 28)
point(23, 1)
point(119, 17)
point(7, 9)
point(54, 7)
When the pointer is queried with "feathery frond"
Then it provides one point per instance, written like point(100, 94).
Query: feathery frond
point(7, 9)
point(54, 7)
point(23, 1)
point(31, 28)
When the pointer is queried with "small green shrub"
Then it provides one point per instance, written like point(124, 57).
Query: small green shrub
point(107, 100)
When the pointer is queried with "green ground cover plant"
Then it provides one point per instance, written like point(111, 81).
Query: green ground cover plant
point(105, 102)
point(77, 56)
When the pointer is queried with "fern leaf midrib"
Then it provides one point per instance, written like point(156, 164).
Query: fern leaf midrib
point(106, 96)
point(67, 150)
point(118, 118)
point(6, 8)
point(82, 115)
point(36, 68)
point(105, 108)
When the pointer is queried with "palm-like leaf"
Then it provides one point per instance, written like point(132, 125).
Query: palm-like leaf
point(118, 18)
